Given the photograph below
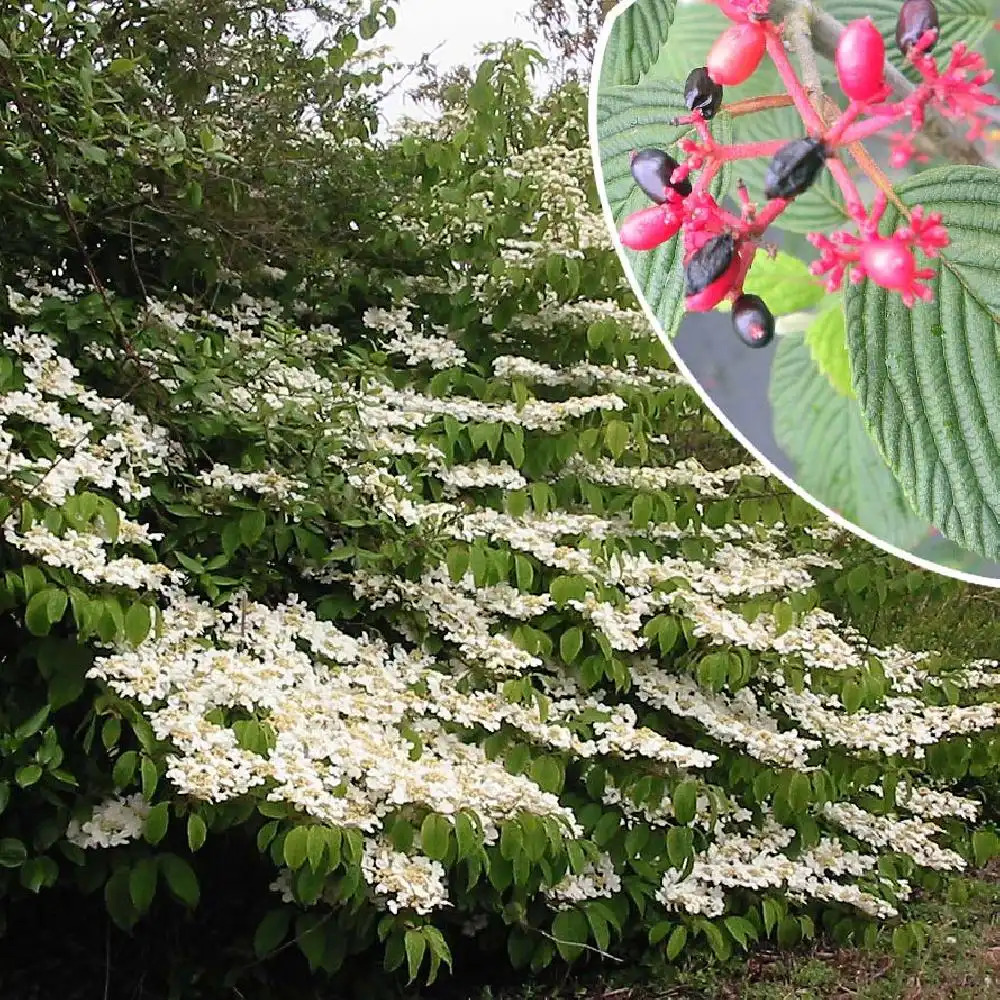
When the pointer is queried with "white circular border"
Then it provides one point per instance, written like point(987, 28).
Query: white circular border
point(609, 219)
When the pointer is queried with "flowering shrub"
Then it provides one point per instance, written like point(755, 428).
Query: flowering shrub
point(434, 585)
point(900, 267)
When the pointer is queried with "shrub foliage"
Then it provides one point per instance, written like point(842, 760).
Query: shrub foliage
point(352, 513)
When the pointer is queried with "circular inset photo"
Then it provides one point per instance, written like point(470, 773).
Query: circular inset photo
point(806, 200)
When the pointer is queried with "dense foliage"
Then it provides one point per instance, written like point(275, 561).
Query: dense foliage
point(393, 563)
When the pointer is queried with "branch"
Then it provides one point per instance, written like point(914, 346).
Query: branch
point(826, 31)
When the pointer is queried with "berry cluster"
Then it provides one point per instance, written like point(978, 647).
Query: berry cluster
point(719, 245)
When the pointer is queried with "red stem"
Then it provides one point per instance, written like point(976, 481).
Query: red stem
point(867, 128)
point(776, 50)
point(840, 173)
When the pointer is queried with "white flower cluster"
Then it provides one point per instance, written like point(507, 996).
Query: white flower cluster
point(114, 822)
point(389, 715)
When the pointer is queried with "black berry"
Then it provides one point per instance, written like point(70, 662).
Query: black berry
point(709, 263)
point(652, 170)
point(752, 321)
point(915, 17)
point(702, 93)
point(794, 168)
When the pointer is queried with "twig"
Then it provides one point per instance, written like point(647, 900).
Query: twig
point(797, 30)
point(826, 31)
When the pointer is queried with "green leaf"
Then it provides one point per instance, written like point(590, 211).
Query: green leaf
point(157, 822)
point(137, 623)
point(679, 846)
point(13, 853)
point(458, 562)
point(180, 879)
point(834, 459)
point(36, 614)
point(571, 643)
point(296, 847)
point(435, 832)
point(826, 338)
point(28, 775)
point(150, 778)
point(570, 929)
point(685, 801)
point(677, 940)
point(32, 724)
point(634, 41)
point(415, 945)
point(927, 378)
point(271, 931)
point(316, 846)
point(142, 883)
point(695, 27)
point(985, 846)
point(196, 831)
point(784, 282)
point(799, 792)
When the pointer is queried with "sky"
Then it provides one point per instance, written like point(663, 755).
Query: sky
point(461, 25)
point(453, 29)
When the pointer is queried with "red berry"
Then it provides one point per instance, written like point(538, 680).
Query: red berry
point(860, 60)
point(915, 18)
point(752, 321)
point(736, 54)
point(650, 227)
point(890, 264)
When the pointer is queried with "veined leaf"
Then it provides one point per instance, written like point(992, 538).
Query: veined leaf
point(835, 461)
point(634, 41)
point(927, 378)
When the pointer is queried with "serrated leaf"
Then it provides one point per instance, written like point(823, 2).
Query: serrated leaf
point(634, 40)
point(927, 378)
point(833, 457)
point(826, 338)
